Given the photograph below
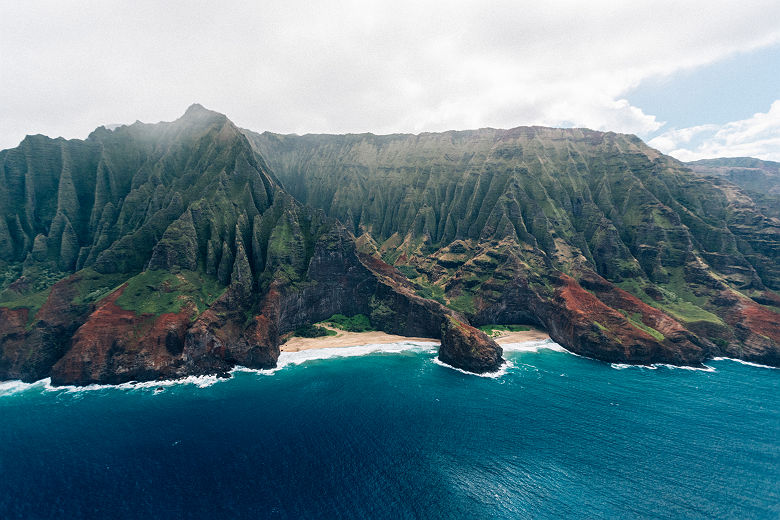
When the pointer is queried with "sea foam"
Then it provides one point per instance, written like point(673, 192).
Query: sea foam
point(743, 362)
point(704, 368)
point(204, 381)
point(492, 375)
point(656, 366)
point(199, 381)
point(16, 386)
point(533, 346)
point(302, 356)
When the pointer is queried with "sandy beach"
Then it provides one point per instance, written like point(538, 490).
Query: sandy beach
point(352, 339)
point(522, 336)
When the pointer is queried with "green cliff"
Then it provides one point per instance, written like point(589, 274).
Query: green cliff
point(166, 250)
point(492, 221)
point(189, 247)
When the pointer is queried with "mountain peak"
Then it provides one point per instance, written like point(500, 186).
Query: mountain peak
point(198, 114)
point(195, 108)
point(198, 110)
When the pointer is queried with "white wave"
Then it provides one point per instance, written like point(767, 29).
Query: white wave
point(742, 361)
point(704, 368)
point(285, 359)
point(303, 356)
point(623, 366)
point(656, 366)
point(199, 381)
point(533, 346)
point(261, 371)
point(492, 375)
point(16, 386)
point(13, 387)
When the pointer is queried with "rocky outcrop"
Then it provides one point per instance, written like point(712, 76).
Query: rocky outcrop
point(587, 326)
point(115, 346)
point(756, 330)
point(31, 345)
point(465, 347)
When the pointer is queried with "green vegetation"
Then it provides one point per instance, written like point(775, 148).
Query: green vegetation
point(463, 303)
point(92, 286)
point(687, 312)
point(482, 220)
point(722, 343)
point(37, 278)
point(675, 299)
point(9, 274)
point(36, 285)
point(313, 331)
point(356, 323)
point(158, 292)
point(636, 321)
point(32, 301)
point(432, 292)
point(408, 271)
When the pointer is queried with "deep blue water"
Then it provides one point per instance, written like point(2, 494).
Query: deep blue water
point(398, 436)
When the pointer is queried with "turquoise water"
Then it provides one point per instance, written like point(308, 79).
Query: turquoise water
point(395, 435)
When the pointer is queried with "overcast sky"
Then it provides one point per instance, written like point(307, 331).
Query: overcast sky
point(68, 67)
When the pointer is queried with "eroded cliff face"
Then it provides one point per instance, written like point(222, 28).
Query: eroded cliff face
point(115, 345)
point(160, 251)
point(32, 341)
point(622, 253)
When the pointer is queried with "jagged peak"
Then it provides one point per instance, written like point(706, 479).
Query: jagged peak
point(197, 112)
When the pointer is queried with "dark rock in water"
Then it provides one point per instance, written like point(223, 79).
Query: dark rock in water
point(465, 347)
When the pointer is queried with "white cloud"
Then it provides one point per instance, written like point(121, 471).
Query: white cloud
point(757, 136)
point(296, 66)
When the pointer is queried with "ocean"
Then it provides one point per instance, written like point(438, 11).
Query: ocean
point(387, 432)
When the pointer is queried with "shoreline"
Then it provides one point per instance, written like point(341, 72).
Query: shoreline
point(14, 386)
point(344, 339)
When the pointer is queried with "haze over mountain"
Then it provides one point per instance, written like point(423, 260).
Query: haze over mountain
point(189, 247)
point(760, 179)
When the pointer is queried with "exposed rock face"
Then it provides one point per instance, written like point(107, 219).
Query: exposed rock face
point(588, 326)
point(465, 347)
point(115, 346)
point(29, 346)
point(624, 254)
point(159, 251)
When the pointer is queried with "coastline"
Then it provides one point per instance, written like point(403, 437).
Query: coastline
point(344, 339)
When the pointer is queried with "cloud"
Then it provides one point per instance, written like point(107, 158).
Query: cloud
point(757, 136)
point(295, 66)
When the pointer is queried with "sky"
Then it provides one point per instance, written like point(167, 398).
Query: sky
point(695, 79)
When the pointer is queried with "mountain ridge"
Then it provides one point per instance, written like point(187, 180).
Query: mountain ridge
point(187, 258)
point(165, 250)
point(641, 221)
